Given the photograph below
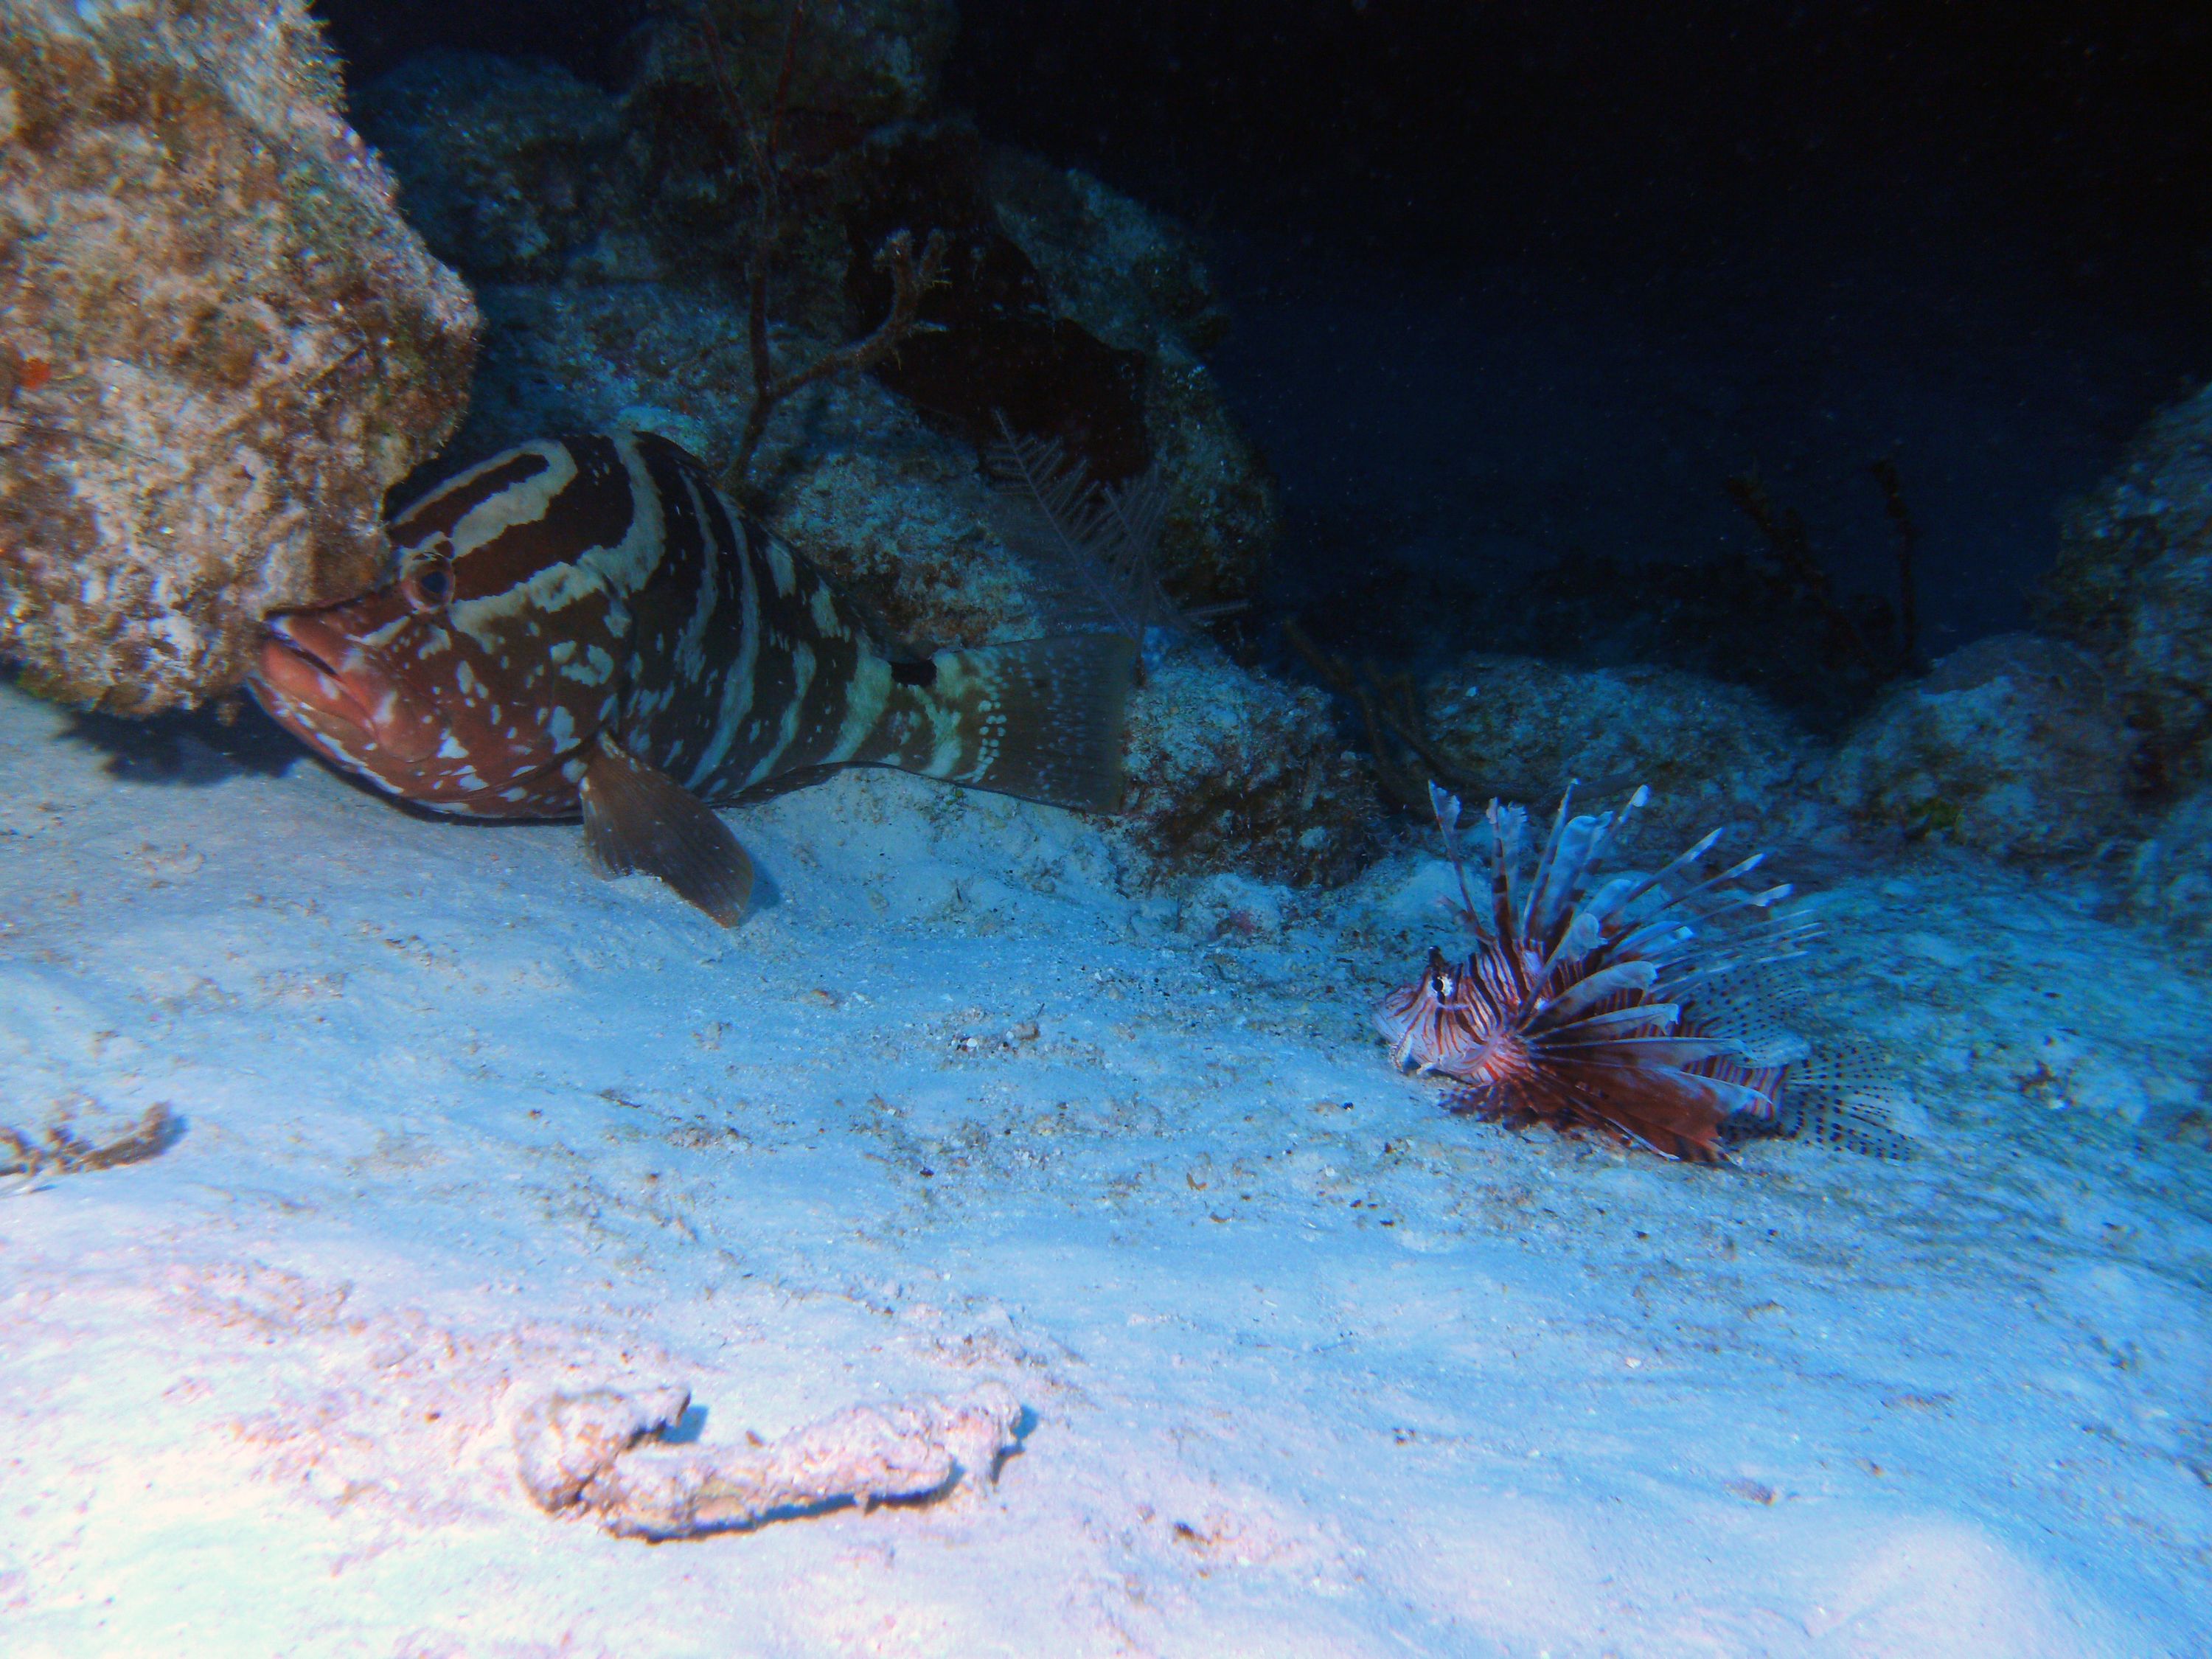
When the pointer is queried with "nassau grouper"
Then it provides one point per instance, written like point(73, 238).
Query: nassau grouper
point(585, 627)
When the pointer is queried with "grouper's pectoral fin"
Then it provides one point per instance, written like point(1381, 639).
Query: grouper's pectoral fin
point(637, 818)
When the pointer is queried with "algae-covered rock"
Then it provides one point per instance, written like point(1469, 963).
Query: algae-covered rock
point(1128, 277)
point(1231, 771)
point(2133, 585)
point(1713, 754)
point(856, 63)
point(220, 344)
point(2010, 745)
point(510, 169)
point(2170, 874)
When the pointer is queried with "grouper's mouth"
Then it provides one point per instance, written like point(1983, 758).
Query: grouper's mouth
point(318, 684)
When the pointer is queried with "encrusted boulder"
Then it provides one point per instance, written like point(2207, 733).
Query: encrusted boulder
point(2133, 586)
point(2010, 745)
point(1713, 754)
point(856, 64)
point(511, 168)
point(1231, 771)
point(1127, 276)
point(220, 343)
point(2170, 872)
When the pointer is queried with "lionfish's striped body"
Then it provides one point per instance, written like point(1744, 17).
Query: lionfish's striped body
point(1580, 1005)
point(586, 626)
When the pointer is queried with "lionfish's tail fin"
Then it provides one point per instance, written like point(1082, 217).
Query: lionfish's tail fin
point(1837, 1098)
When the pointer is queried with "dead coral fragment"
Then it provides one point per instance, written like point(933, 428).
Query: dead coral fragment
point(59, 1151)
point(583, 1450)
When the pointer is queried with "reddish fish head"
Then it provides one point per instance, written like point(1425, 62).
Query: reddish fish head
point(476, 681)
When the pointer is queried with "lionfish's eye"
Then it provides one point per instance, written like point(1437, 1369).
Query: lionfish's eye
point(1442, 985)
point(428, 586)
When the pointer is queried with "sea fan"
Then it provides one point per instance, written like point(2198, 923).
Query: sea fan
point(1631, 1008)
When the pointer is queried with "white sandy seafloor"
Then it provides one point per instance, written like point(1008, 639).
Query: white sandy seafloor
point(1310, 1367)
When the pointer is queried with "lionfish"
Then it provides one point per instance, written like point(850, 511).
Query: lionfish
point(586, 628)
point(1630, 1008)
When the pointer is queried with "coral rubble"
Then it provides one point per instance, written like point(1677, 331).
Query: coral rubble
point(219, 342)
point(2010, 745)
point(592, 1450)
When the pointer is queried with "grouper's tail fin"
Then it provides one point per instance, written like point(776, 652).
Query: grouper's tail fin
point(1042, 718)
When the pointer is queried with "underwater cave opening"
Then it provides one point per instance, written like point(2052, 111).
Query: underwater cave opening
point(1517, 289)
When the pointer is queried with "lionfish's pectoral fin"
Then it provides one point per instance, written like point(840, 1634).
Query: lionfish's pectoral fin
point(637, 818)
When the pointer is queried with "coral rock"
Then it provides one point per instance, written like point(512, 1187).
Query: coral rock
point(591, 1450)
point(2010, 745)
point(1712, 753)
point(856, 62)
point(2170, 876)
point(1230, 771)
point(219, 347)
point(509, 169)
point(2133, 585)
point(1129, 277)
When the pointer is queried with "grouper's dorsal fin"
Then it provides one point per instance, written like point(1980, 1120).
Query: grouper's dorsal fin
point(636, 819)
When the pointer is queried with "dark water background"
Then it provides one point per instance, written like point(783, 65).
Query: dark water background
point(1523, 282)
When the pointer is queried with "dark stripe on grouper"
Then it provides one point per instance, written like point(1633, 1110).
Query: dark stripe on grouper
point(586, 626)
point(436, 514)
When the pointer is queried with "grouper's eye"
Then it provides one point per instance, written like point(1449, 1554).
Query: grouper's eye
point(428, 586)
